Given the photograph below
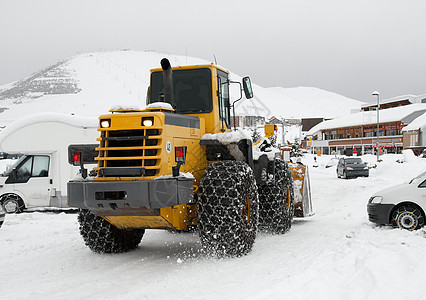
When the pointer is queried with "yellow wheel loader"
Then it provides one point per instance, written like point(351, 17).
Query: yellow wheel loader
point(178, 165)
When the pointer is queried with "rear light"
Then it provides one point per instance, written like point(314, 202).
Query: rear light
point(180, 154)
point(77, 158)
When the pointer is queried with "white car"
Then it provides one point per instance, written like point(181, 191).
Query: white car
point(401, 206)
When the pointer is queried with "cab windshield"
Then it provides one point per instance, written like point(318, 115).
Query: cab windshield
point(417, 177)
point(191, 90)
point(10, 169)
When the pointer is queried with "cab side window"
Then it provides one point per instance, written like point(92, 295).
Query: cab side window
point(33, 166)
point(422, 185)
point(223, 93)
point(40, 166)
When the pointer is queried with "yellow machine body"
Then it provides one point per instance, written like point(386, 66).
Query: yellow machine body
point(164, 134)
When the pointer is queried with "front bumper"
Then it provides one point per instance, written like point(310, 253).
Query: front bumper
point(129, 198)
point(357, 173)
point(379, 213)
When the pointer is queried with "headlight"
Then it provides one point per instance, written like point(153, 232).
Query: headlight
point(349, 168)
point(365, 168)
point(105, 123)
point(149, 121)
point(376, 199)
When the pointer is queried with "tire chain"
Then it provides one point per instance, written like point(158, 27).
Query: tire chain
point(223, 227)
point(273, 215)
point(103, 237)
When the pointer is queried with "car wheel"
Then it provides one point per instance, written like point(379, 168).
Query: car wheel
point(12, 204)
point(408, 217)
point(345, 176)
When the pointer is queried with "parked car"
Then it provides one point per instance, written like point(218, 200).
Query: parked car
point(401, 206)
point(351, 167)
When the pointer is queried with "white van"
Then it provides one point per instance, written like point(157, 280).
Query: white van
point(39, 178)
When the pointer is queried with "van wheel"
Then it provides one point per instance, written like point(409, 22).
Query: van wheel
point(408, 217)
point(101, 236)
point(12, 204)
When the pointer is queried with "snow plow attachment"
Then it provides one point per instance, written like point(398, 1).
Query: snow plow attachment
point(302, 190)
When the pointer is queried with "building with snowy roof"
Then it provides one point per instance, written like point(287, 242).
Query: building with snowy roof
point(414, 134)
point(359, 131)
point(395, 102)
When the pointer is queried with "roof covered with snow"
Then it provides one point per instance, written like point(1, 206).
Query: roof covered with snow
point(418, 123)
point(403, 113)
point(412, 98)
point(49, 117)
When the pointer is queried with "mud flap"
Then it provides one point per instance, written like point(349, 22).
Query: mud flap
point(302, 190)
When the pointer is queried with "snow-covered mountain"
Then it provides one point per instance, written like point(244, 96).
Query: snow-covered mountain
point(90, 84)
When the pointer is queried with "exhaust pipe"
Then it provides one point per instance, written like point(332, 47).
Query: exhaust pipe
point(168, 81)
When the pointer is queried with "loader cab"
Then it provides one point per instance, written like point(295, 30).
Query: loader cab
point(201, 91)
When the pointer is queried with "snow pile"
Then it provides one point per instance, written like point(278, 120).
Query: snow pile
point(228, 137)
point(182, 175)
point(164, 105)
point(264, 146)
point(125, 107)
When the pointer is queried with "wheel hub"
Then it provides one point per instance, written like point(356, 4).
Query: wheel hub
point(407, 220)
point(11, 206)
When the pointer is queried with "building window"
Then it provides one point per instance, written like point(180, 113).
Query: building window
point(326, 135)
point(348, 133)
point(333, 135)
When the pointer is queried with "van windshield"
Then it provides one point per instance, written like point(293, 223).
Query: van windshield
point(10, 168)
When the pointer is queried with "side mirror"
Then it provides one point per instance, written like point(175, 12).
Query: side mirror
point(248, 91)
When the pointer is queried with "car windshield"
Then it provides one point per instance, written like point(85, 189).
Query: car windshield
point(10, 169)
point(418, 177)
point(355, 160)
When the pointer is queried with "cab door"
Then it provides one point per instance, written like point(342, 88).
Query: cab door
point(31, 179)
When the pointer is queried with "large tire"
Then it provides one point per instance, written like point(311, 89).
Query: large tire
point(12, 203)
point(276, 201)
point(408, 216)
point(102, 237)
point(228, 209)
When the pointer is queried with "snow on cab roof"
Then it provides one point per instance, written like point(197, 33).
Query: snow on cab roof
point(72, 120)
point(370, 117)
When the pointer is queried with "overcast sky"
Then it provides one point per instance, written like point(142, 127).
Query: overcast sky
point(348, 47)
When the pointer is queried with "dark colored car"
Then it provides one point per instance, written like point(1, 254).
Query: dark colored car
point(348, 167)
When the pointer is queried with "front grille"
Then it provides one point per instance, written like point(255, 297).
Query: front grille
point(122, 152)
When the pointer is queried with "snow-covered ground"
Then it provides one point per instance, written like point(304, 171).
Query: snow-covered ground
point(336, 254)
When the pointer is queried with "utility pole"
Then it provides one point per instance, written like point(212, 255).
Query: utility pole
point(376, 93)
